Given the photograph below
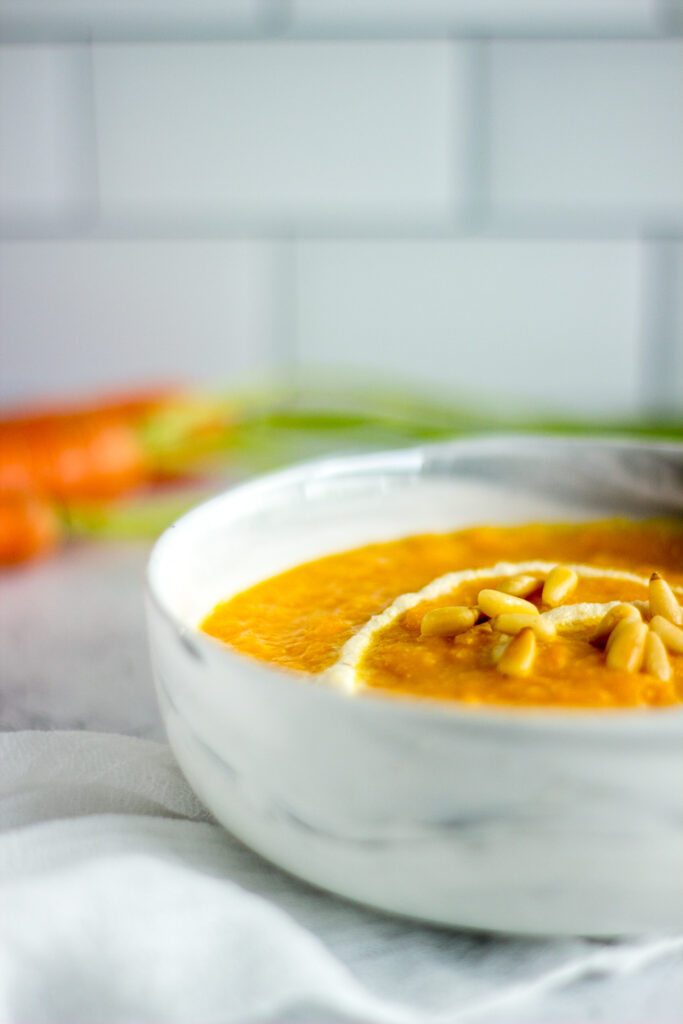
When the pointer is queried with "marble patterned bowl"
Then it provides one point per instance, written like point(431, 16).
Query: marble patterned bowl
point(552, 822)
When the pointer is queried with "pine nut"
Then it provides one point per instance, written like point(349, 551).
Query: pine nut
point(514, 622)
point(662, 600)
point(448, 621)
point(493, 602)
point(627, 646)
point(670, 634)
point(559, 584)
point(610, 638)
point(520, 586)
point(656, 659)
point(518, 656)
point(611, 619)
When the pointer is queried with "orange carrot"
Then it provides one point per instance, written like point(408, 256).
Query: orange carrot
point(54, 460)
point(78, 452)
point(29, 528)
point(75, 458)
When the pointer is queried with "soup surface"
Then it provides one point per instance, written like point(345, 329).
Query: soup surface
point(359, 617)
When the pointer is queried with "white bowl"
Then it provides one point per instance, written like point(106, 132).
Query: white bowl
point(529, 821)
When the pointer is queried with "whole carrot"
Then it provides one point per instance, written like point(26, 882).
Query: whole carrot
point(61, 467)
point(29, 528)
point(79, 452)
point(75, 459)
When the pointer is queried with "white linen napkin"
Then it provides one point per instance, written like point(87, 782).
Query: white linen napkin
point(122, 901)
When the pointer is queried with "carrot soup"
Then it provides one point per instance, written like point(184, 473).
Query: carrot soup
point(545, 614)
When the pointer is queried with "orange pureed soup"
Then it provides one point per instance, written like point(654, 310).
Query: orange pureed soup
point(543, 634)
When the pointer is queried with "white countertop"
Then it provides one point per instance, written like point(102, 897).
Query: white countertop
point(74, 649)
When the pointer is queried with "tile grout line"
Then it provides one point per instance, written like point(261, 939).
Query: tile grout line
point(669, 16)
point(275, 22)
point(89, 114)
point(284, 305)
point(276, 16)
point(659, 359)
point(478, 128)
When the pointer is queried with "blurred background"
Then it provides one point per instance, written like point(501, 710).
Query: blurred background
point(482, 198)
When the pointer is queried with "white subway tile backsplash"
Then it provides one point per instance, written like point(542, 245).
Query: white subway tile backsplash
point(495, 16)
point(44, 160)
point(677, 332)
point(533, 326)
point(81, 314)
point(280, 131)
point(590, 127)
point(399, 147)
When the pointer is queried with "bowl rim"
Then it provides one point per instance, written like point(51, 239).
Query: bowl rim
point(626, 723)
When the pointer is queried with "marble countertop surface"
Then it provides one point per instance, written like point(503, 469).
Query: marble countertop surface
point(73, 643)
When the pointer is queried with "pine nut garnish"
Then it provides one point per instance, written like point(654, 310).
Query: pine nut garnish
point(670, 634)
point(662, 600)
point(532, 645)
point(559, 584)
point(656, 659)
point(627, 646)
point(520, 586)
point(448, 621)
point(613, 617)
point(493, 602)
point(514, 622)
point(518, 657)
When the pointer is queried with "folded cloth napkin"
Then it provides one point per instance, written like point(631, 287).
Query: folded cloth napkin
point(122, 901)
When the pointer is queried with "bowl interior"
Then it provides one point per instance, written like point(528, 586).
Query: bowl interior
point(265, 527)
